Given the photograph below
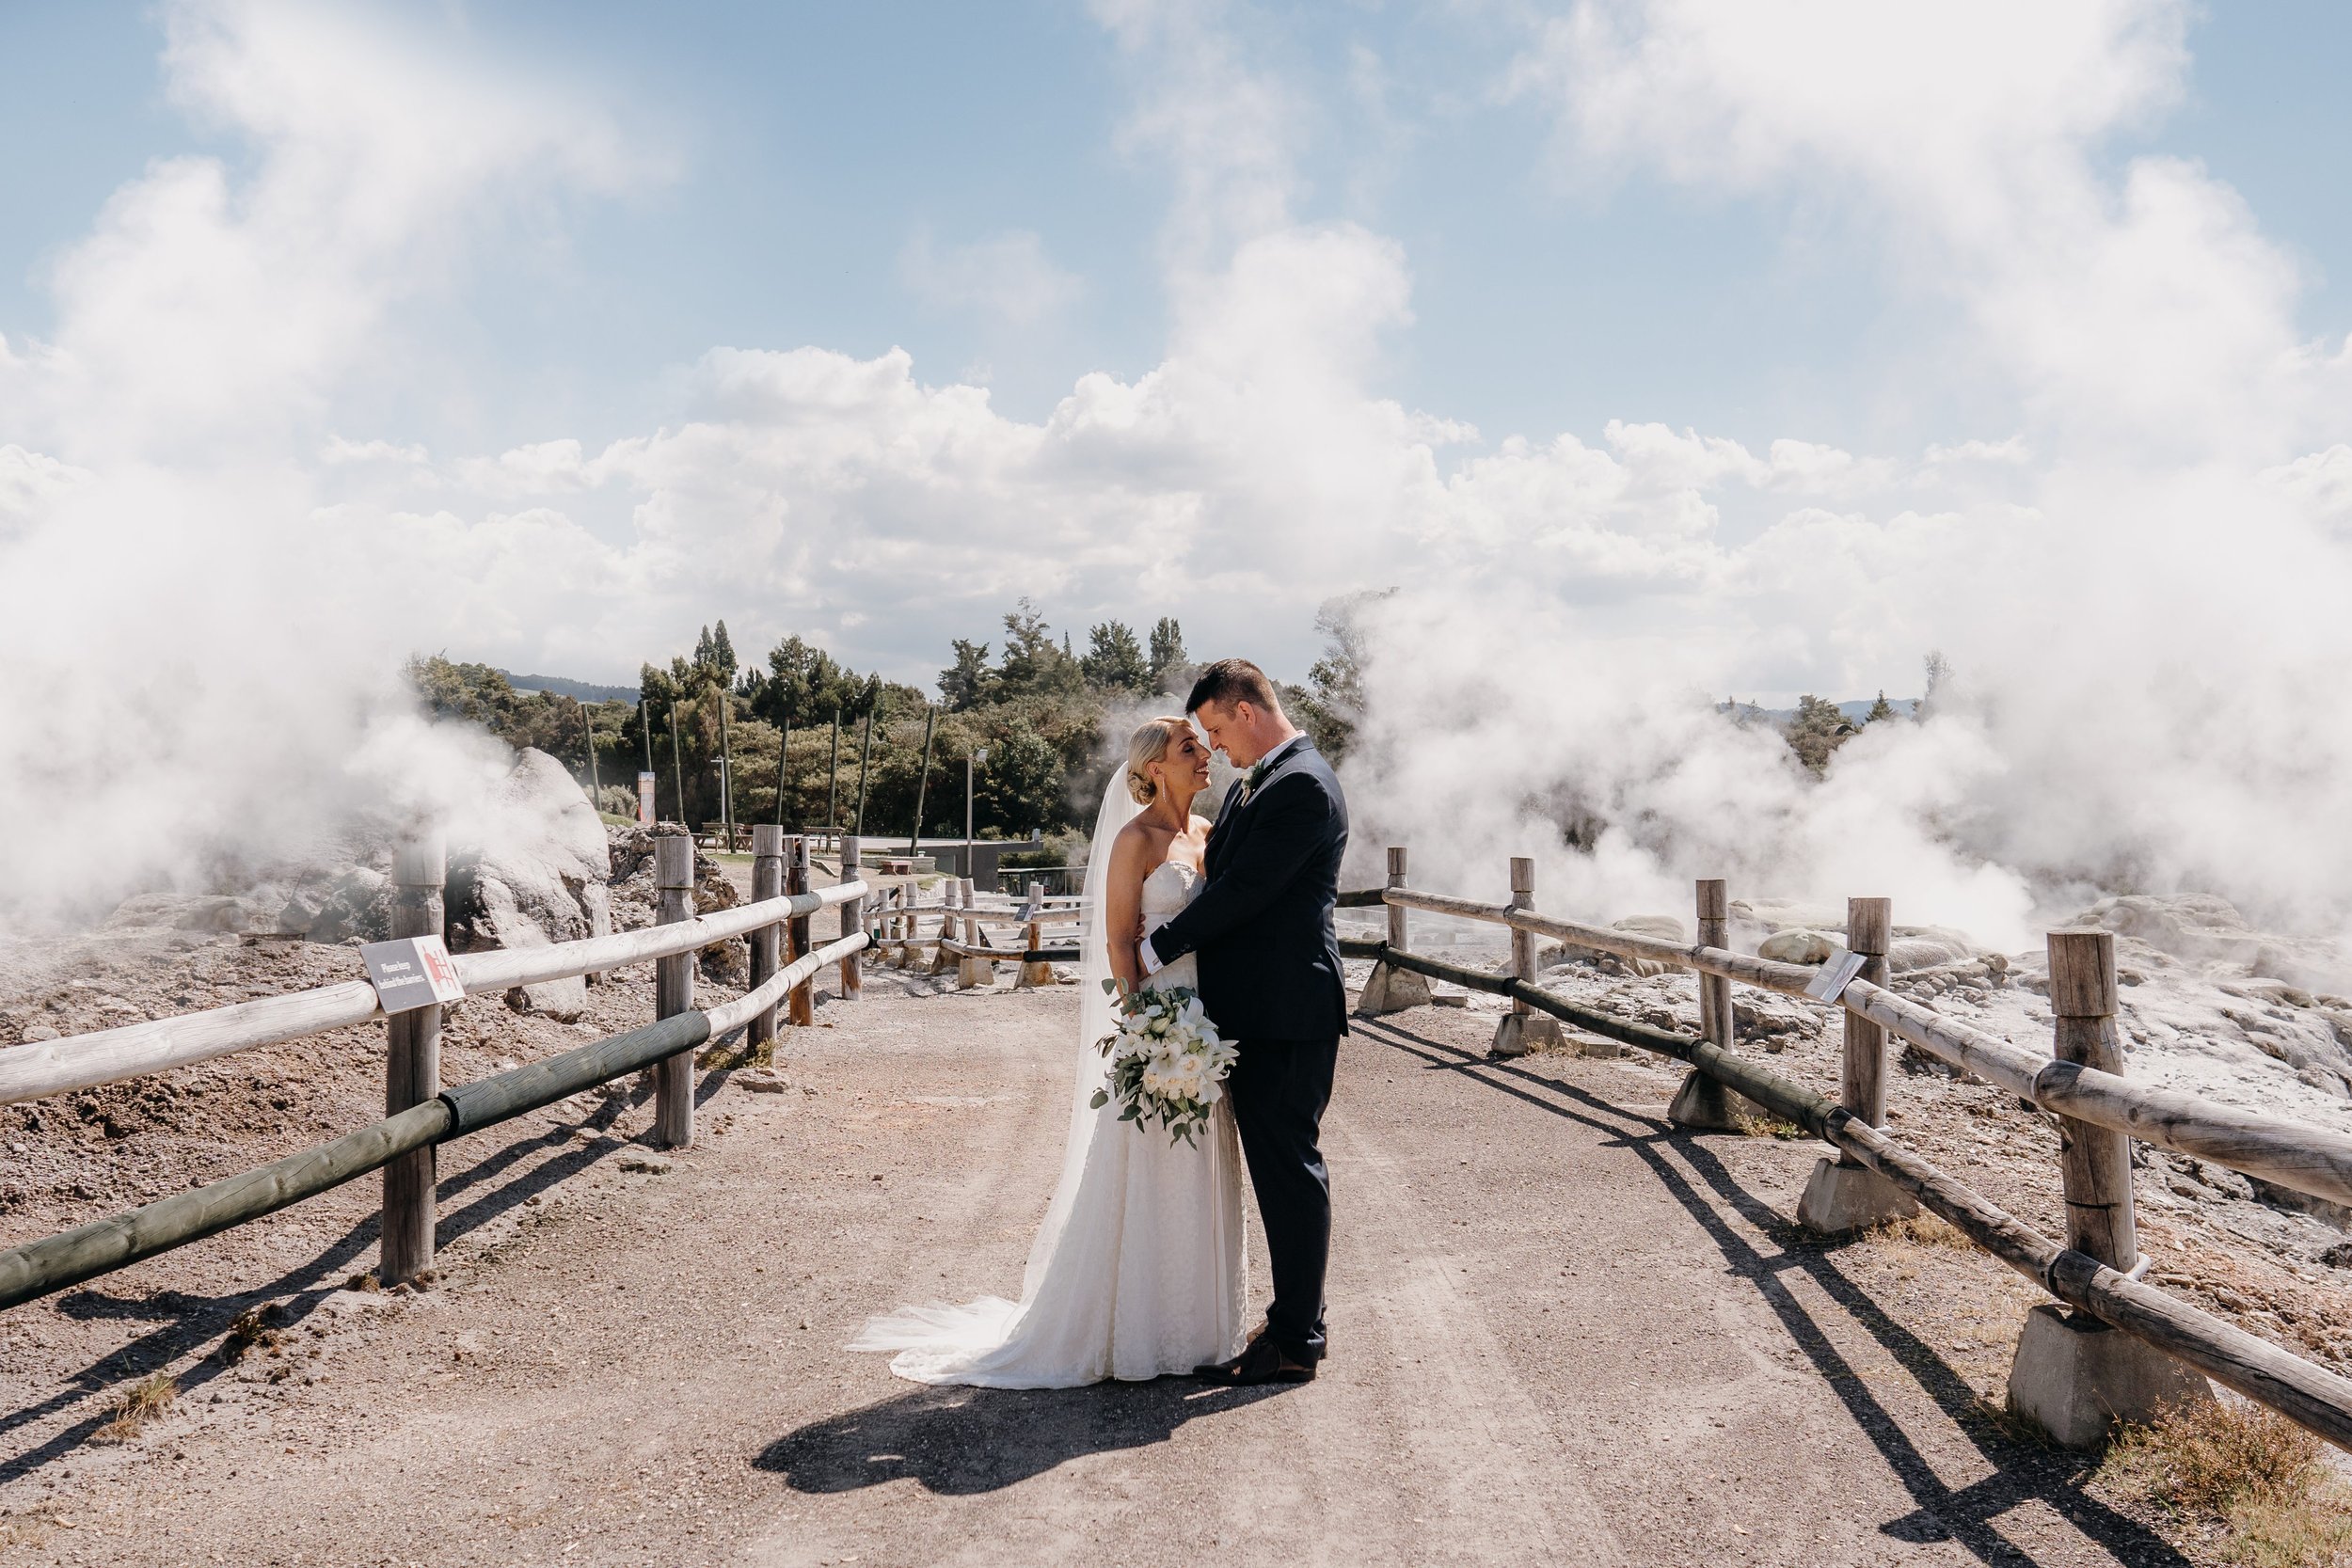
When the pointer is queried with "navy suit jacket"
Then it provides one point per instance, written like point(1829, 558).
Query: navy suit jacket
point(1269, 956)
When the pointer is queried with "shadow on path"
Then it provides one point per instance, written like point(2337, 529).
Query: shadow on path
point(962, 1441)
point(1964, 1515)
point(184, 1320)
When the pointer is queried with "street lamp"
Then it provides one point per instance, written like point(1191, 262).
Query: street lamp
point(976, 754)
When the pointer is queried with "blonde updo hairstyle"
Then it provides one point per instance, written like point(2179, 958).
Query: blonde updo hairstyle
point(1147, 746)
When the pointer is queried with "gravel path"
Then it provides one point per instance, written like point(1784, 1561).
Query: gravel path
point(1559, 1334)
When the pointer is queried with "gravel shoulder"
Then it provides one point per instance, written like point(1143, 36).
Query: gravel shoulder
point(1561, 1331)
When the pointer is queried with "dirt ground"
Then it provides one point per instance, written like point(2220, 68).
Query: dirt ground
point(1560, 1331)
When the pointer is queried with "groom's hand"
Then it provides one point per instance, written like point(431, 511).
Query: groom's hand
point(1147, 960)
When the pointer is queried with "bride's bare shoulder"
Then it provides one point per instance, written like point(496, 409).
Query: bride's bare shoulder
point(1131, 847)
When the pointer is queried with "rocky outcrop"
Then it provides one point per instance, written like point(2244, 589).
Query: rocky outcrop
point(536, 876)
point(1797, 945)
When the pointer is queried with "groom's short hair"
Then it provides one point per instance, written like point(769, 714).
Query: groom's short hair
point(1230, 681)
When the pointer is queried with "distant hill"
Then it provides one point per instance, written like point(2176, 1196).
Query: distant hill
point(583, 693)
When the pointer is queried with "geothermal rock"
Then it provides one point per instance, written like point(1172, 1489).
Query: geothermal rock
point(1927, 947)
point(203, 912)
point(2202, 930)
point(1797, 946)
point(536, 877)
point(1775, 915)
point(1659, 928)
point(357, 904)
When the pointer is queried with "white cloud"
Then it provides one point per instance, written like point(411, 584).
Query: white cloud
point(1007, 277)
point(1227, 129)
point(2322, 480)
point(2149, 310)
point(2013, 449)
point(339, 450)
point(29, 481)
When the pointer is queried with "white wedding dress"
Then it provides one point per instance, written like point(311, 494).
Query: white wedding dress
point(1138, 1269)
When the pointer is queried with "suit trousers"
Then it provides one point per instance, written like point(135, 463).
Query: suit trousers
point(1279, 1089)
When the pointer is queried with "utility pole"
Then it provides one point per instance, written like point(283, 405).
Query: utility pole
point(677, 767)
point(832, 778)
point(922, 779)
point(865, 754)
point(596, 785)
point(644, 728)
point(783, 755)
point(977, 753)
point(726, 774)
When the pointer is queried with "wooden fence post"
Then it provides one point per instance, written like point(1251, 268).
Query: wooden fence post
point(853, 920)
point(2073, 1373)
point(1522, 1029)
point(941, 958)
point(1387, 988)
point(674, 993)
point(412, 1070)
point(803, 997)
point(1033, 938)
point(910, 895)
point(1844, 1196)
point(1702, 1104)
point(972, 972)
point(767, 883)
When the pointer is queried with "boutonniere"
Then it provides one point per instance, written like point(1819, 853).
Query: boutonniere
point(1257, 776)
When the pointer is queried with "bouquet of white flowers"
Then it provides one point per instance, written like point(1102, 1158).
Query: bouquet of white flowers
point(1167, 1061)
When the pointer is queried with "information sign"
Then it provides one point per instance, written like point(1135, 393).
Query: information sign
point(1829, 982)
point(411, 972)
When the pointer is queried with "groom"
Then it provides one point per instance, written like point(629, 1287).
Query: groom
point(1270, 980)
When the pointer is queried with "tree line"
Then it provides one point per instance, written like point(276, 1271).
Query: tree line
point(808, 742)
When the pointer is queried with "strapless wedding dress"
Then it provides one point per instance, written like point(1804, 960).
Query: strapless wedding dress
point(1144, 1276)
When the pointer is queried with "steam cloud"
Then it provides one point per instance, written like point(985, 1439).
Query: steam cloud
point(2138, 571)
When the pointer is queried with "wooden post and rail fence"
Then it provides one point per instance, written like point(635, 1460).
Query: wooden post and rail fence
point(2095, 1270)
point(422, 1113)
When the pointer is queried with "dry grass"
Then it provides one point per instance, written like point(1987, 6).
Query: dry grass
point(255, 1328)
point(1924, 1230)
point(1769, 1127)
point(2254, 1479)
point(141, 1404)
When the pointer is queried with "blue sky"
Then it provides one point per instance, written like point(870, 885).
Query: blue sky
point(814, 144)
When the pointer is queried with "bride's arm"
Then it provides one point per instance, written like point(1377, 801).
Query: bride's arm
point(1122, 910)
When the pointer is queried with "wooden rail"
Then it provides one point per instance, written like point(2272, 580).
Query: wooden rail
point(2096, 1270)
point(72, 1256)
point(2293, 1154)
point(41, 1068)
point(402, 1145)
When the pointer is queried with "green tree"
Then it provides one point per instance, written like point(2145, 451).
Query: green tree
point(1034, 664)
point(804, 686)
point(1169, 658)
point(1333, 704)
point(969, 682)
point(1816, 732)
point(1114, 659)
point(1024, 783)
point(1880, 710)
point(715, 651)
point(1939, 672)
point(560, 726)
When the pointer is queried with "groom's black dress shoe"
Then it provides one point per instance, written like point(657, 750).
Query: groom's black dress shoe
point(1261, 1361)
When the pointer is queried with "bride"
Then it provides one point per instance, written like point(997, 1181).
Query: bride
point(1138, 1268)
